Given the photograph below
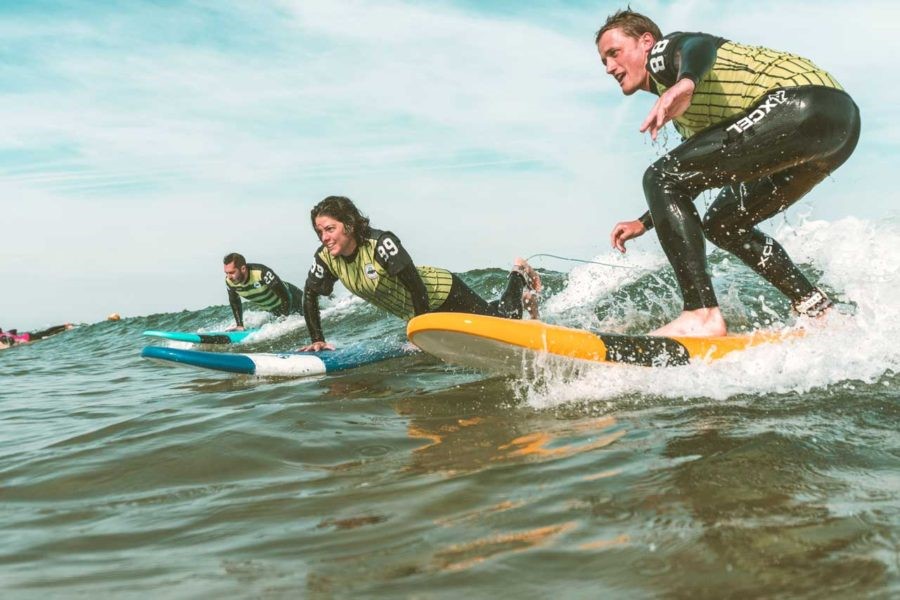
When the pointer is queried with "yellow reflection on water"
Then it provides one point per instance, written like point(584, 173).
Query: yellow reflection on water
point(455, 445)
point(540, 444)
point(620, 540)
point(474, 515)
point(463, 556)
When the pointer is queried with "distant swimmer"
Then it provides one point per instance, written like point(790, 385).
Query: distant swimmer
point(374, 265)
point(12, 336)
point(764, 126)
point(261, 287)
point(113, 317)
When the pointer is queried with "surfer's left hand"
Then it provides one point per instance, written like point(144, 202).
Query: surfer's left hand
point(316, 347)
point(672, 104)
point(625, 231)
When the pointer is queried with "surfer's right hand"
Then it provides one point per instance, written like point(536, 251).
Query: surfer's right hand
point(625, 231)
point(316, 347)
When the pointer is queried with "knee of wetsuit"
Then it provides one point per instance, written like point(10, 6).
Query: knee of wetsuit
point(661, 180)
point(653, 179)
point(717, 232)
point(831, 120)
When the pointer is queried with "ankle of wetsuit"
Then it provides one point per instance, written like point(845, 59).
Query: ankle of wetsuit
point(813, 304)
point(510, 304)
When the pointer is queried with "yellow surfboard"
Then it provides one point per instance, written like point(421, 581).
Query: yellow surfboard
point(504, 345)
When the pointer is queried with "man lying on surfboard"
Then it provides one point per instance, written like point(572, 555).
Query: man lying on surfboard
point(764, 126)
point(260, 286)
point(375, 266)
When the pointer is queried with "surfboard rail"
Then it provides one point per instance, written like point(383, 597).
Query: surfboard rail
point(282, 364)
point(476, 340)
point(202, 337)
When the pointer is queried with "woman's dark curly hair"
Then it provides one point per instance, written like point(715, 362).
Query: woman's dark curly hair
point(342, 209)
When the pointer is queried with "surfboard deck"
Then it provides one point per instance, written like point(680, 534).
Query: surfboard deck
point(207, 337)
point(507, 346)
point(284, 364)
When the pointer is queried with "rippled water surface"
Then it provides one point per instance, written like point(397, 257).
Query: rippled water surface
point(769, 474)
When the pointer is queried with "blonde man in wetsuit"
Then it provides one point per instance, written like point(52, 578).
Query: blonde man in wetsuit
point(261, 287)
point(765, 126)
point(374, 265)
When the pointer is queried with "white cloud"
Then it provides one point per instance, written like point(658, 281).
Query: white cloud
point(216, 126)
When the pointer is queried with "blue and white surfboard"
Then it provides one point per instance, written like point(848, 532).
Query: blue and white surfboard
point(208, 337)
point(285, 364)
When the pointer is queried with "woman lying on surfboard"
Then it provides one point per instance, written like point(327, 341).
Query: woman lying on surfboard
point(373, 265)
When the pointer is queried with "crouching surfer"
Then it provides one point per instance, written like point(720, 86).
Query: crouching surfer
point(764, 126)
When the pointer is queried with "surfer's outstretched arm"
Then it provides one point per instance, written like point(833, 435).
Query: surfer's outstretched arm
point(313, 322)
point(237, 310)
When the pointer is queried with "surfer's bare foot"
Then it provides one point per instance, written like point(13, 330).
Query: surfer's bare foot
point(530, 304)
point(520, 264)
point(703, 322)
point(531, 293)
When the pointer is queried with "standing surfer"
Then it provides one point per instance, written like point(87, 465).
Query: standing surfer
point(763, 125)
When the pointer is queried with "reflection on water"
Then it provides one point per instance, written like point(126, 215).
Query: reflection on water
point(460, 437)
point(463, 556)
point(758, 508)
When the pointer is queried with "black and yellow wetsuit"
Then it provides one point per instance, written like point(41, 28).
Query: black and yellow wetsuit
point(264, 290)
point(381, 272)
point(763, 125)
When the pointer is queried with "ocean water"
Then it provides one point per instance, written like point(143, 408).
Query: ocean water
point(771, 473)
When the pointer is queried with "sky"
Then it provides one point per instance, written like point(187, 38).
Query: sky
point(141, 141)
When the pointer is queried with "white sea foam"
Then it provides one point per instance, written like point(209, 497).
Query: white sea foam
point(273, 328)
point(589, 282)
point(860, 262)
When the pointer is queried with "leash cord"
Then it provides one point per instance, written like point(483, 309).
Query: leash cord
point(581, 260)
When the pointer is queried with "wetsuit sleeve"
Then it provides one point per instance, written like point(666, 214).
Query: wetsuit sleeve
point(319, 282)
point(320, 279)
point(276, 285)
point(646, 220)
point(412, 281)
point(235, 301)
point(312, 315)
point(682, 55)
point(390, 254)
point(696, 55)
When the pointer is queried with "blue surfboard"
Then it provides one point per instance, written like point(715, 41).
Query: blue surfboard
point(285, 364)
point(208, 337)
